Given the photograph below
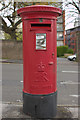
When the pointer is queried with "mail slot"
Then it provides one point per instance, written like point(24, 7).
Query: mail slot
point(40, 26)
point(39, 60)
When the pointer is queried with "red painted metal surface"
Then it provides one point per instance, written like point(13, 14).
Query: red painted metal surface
point(39, 65)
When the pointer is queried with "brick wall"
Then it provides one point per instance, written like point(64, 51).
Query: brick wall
point(72, 36)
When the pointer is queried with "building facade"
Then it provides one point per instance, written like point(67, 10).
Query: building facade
point(72, 38)
point(61, 30)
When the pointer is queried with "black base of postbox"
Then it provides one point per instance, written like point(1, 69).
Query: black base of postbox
point(40, 106)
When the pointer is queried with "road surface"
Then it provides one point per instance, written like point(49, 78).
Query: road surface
point(67, 82)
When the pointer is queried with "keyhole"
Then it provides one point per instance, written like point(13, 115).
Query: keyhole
point(53, 54)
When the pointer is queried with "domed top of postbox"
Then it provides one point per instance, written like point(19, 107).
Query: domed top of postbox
point(39, 11)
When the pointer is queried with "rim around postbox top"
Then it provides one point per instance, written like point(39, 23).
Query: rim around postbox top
point(39, 8)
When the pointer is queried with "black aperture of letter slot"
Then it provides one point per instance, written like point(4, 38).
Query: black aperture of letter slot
point(40, 25)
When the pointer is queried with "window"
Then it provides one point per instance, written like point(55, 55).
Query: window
point(68, 37)
point(59, 26)
point(72, 35)
point(59, 35)
point(72, 41)
point(68, 32)
point(60, 19)
point(40, 41)
point(72, 46)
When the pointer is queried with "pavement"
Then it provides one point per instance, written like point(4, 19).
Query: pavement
point(14, 110)
point(11, 61)
point(11, 111)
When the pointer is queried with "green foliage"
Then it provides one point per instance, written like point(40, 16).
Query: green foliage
point(70, 51)
point(11, 9)
point(19, 36)
point(61, 50)
point(7, 36)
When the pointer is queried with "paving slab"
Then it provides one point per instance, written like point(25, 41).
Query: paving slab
point(16, 111)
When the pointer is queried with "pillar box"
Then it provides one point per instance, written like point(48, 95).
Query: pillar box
point(39, 60)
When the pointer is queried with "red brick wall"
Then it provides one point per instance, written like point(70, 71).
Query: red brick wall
point(73, 40)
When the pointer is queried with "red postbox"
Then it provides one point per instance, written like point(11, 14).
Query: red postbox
point(39, 60)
